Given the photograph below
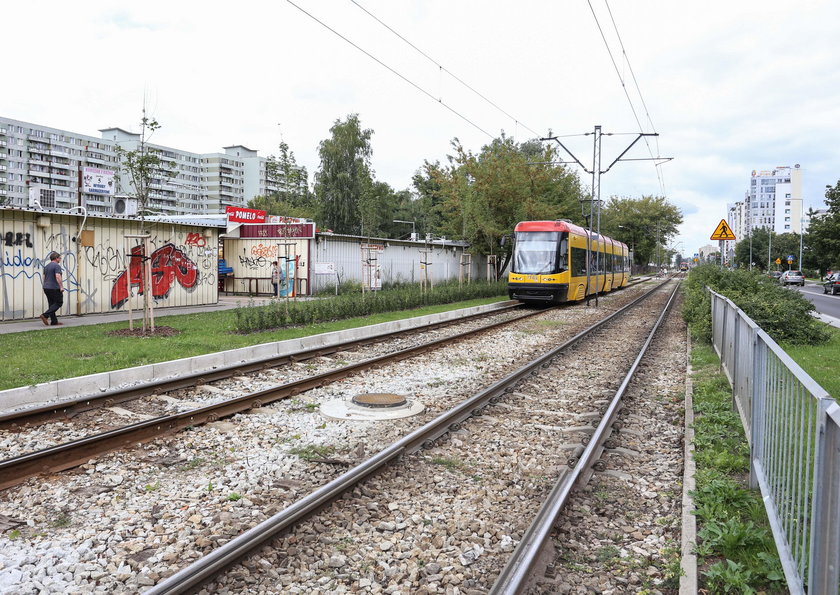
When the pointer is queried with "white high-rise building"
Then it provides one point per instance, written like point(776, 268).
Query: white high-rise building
point(774, 200)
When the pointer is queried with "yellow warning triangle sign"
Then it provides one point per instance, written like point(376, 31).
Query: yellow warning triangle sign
point(723, 232)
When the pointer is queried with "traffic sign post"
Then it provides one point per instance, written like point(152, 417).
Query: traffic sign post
point(722, 233)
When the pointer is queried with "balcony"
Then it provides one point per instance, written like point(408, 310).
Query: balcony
point(3, 168)
point(3, 143)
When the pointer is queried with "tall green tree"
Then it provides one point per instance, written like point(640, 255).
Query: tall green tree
point(289, 193)
point(780, 246)
point(824, 232)
point(646, 224)
point(143, 166)
point(344, 175)
point(480, 197)
point(376, 209)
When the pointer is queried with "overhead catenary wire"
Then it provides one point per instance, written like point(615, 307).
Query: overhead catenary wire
point(381, 63)
point(639, 91)
point(623, 84)
point(442, 68)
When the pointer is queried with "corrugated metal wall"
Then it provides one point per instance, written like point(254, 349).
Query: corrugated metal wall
point(96, 279)
point(399, 261)
point(251, 261)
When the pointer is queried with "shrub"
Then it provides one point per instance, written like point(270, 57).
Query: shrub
point(402, 297)
point(783, 314)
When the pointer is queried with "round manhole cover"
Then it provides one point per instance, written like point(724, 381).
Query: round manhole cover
point(379, 400)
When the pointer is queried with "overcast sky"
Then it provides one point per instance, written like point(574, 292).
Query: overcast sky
point(730, 86)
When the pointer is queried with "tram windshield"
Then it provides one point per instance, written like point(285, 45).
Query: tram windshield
point(539, 252)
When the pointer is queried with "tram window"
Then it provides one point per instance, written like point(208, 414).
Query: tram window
point(536, 252)
point(563, 254)
point(578, 262)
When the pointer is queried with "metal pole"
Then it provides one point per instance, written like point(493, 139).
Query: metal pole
point(801, 231)
point(769, 246)
point(596, 196)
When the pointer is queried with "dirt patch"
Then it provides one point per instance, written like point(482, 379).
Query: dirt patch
point(160, 331)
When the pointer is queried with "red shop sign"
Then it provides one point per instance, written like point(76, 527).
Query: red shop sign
point(243, 215)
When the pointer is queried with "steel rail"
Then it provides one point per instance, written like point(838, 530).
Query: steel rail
point(71, 454)
point(71, 408)
point(514, 578)
point(205, 568)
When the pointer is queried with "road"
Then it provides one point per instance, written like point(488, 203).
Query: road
point(824, 303)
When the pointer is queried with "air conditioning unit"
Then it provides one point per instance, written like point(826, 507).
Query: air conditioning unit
point(41, 197)
point(124, 206)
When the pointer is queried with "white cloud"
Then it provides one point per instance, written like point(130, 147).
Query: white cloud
point(730, 86)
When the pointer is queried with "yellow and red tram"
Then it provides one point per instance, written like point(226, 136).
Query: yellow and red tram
point(550, 262)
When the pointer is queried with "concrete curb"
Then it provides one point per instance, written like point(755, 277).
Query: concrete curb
point(688, 580)
point(71, 389)
point(830, 320)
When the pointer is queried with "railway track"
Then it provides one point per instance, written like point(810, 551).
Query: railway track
point(69, 409)
point(448, 425)
point(70, 454)
point(151, 508)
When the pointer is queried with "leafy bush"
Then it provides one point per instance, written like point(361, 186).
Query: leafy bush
point(783, 314)
point(280, 313)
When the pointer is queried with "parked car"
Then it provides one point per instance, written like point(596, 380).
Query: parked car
point(792, 277)
point(774, 274)
point(832, 284)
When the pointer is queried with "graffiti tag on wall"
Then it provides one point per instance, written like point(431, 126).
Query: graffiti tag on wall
point(18, 239)
point(169, 265)
point(194, 239)
point(263, 251)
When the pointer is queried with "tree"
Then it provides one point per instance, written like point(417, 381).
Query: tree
point(824, 232)
point(344, 175)
point(645, 224)
point(481, 197)
point(376, 209)
point(288, 185)
point(763, 239)
point(144, 167)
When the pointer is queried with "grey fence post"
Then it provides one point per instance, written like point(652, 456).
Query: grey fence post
point(824, 571)
point(759, 392)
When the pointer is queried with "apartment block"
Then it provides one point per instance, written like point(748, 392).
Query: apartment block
point(34, 156)
point(56, 165)
point(774, 201)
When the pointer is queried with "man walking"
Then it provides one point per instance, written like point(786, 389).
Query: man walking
point(54, 290)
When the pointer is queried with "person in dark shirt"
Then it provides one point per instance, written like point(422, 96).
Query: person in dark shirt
point(54, 290)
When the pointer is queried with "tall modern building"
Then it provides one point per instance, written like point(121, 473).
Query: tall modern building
point(61, 169)
point(774, 200)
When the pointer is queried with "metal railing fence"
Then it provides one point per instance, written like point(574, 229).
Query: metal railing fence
point(793, 428)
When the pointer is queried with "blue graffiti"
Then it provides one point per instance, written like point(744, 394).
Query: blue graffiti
point(18, 260)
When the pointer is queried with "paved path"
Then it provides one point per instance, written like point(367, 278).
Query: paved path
point(226, 302)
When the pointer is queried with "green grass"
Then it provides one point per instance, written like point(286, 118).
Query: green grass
point(735, 549)
point(34, 356)
point(820, 361)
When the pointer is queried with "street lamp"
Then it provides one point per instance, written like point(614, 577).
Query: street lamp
point(413, 233)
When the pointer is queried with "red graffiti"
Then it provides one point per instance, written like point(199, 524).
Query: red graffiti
point(168, 264)
point(194, 239)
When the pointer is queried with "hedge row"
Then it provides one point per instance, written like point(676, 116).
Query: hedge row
point(281, 314)
point(782, 313)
